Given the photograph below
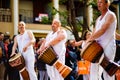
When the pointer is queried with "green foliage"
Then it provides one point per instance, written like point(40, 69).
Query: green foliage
point(45, 20)
point(62, 1)
point(96, 12)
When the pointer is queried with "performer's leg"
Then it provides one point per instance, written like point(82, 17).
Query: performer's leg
point(30, 62)
point(95, 73)
point(107, 77)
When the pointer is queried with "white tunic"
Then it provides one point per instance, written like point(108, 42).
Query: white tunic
point(60, 49)
point(107, 40)
point(28, 55)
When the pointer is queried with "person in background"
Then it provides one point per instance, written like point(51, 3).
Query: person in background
point(6, 41)
point(70, 60)
point(41, 66)
point(82, 43)
point(57, 39)
point(12, 72)
point(2, 59)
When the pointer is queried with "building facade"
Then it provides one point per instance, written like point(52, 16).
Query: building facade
point(31, 11)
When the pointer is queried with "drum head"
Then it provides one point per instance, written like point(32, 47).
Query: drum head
point(14, 57)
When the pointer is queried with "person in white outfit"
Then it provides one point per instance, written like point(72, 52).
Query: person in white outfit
point(104, 34)
point(57, 39)
point(25, 41)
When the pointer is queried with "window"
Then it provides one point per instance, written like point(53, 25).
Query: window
point(5, 12)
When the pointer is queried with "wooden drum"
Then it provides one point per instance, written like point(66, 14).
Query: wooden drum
point(49, 57)
point(18, 62)
point(92, 52)
point(109, 66)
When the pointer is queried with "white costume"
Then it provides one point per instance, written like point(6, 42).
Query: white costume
point(107, 41)
point(60, 49)
point(28, 55)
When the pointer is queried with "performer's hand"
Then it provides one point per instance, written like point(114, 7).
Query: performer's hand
point(89, 40)
point(12, 54)
point(39, 51)
point(25, 48)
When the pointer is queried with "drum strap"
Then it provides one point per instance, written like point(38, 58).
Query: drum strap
point(101, 58)
point(22, 70)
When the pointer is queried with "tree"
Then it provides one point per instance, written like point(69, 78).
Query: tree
point(75, 25)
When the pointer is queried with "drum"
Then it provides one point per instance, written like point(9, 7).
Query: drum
point(109, 66)
point(62, 69)
point(49, 57)
point(18, 62)
point(92, 52)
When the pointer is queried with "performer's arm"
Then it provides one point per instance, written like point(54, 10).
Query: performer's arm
point(61, 35)
point(110, 18)
point(14, 46)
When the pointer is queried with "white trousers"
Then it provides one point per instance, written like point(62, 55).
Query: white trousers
point(29, 64)
point(96, 73)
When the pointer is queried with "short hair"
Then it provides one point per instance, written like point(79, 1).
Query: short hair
point(22, 22)
point(57, 20)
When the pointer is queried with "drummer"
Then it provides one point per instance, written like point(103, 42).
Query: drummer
point(57, 39)
point(104, 34)
point(25, 41)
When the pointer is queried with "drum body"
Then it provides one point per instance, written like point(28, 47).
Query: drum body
point(18, 62)
point(51, 58)
point(48, 56)
point(109, 66)
point(62, 69)
point(92, 52)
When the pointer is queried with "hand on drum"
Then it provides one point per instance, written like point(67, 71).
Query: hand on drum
point(89, 40)
point(41, 50)
point(13, 54)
